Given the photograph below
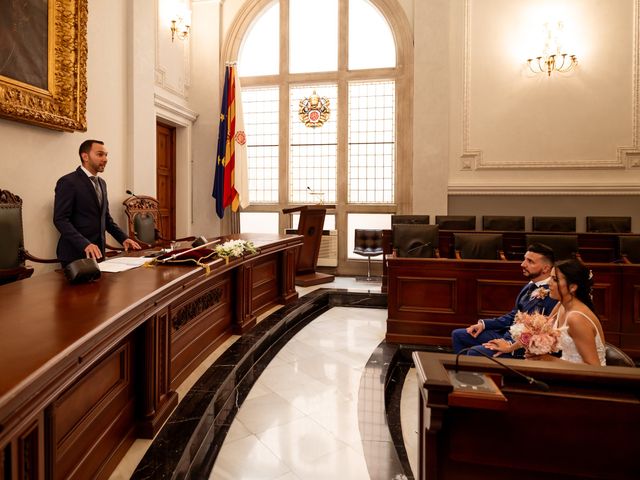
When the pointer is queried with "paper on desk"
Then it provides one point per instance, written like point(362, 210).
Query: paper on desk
point(121, 264)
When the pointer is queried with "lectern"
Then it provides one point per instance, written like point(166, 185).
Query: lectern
point(310, 227)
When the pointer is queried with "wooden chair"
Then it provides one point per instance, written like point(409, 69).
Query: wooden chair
point(422, 219)
point(616, 357)
point(563, 246)
point(415, 240)
point(368, 243)
point(609, 224)
point(629, 248)
point(504, 223)
point(456, 222)
point(12, 252)
point(553, 224)
point(145, 221)
point(481, 246)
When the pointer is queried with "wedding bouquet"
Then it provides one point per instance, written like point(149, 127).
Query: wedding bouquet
point(235, 248)
point(536, 333)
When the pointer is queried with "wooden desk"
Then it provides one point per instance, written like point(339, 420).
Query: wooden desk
point(585, 426)
point(88, 368)
point(428, 298)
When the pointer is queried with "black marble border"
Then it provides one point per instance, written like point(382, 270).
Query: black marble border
point(187, 445)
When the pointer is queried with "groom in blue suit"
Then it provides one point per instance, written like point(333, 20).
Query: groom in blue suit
point(534, 297)
point(81, 209)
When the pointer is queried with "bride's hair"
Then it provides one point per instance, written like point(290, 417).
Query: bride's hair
point(576, 273)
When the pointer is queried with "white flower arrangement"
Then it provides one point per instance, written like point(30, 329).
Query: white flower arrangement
point(235, 248)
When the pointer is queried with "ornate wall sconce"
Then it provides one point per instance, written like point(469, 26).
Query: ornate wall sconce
point(179, 28)
point(560, 63)
point(549, 62)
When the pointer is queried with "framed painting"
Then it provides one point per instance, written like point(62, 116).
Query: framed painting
point(43, 62)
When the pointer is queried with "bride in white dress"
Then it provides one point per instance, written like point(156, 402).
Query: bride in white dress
point(581, 335)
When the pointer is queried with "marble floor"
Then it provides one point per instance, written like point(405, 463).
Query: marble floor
point(300, 419)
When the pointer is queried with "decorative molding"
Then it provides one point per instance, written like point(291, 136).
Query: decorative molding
point(567, 189)
point(627, 157)
point(195, 308)
point(164, 105)
point(161, 71)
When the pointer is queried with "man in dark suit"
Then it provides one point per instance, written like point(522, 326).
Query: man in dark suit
point(81, 209)
point(534, 297)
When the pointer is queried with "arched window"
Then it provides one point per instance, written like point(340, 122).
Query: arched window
point(326, 91)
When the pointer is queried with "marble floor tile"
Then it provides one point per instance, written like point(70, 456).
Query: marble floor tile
point(247, 459)
point(253, 413)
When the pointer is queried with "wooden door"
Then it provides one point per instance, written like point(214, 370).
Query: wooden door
point(166, 178)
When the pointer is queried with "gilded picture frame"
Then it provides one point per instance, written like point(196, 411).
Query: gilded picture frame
point(43, 74)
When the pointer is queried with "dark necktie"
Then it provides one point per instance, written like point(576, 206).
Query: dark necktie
point(98, 189)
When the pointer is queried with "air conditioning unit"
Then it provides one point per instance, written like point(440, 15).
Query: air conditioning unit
point(328, 256)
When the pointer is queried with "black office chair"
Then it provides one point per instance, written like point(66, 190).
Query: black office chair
point(615, 357)
point(609, 224)
point(456, 222)
point(414, 240)
point(629, 246)
point(368, 243)
point(422, 219)
point(553, 224)
point(563, 246)
point(481, 246)
point(506, 223)
point(12, 252)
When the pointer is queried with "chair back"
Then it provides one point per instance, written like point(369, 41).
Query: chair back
point(11, 238)
point(615, 357)
point(415, 240)
point(609, 224)
point(456, 222)
point(423, 219)
point(553, 224)
point(143, 213)
point(368, 242)
point(630, 247)
point(563, 246)
point(483, 246)
point(507, 223)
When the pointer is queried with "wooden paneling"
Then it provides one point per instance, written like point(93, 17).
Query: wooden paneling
point(264, 286)
point(428, 298)
point(200, 322)
point(94, 416)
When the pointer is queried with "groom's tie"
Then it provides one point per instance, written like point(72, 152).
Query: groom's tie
point(98, 189)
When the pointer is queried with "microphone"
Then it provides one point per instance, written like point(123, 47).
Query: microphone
point(464, 350)
point(532, 381)
point(129, 192)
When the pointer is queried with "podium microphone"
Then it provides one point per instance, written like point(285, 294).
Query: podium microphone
point(129, 192)
point(532, 381)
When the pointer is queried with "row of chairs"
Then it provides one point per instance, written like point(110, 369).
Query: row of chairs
point(419, 240)
point(516, 223)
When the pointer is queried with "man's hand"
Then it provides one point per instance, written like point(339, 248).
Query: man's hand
point(92, 251)
point(476, 329)
point(130, 244)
